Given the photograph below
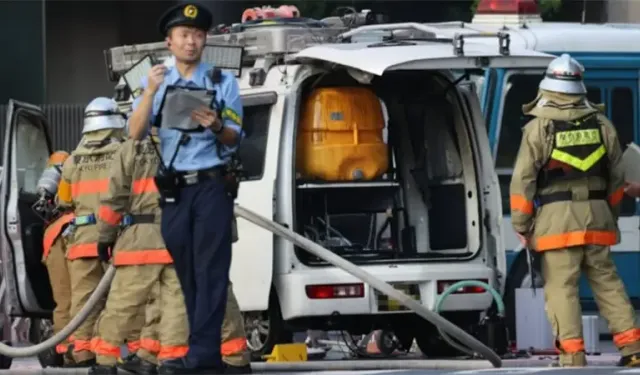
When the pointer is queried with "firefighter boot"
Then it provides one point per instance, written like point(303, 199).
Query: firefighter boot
point(103, 370)
point(71, 363)
point(632, 360)
point(578, 359)
point(228, 369)
point(137, 365)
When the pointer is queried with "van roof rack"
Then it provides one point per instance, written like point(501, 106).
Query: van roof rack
point(278, 37)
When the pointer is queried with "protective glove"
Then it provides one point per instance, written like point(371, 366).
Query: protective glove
point(104, 251)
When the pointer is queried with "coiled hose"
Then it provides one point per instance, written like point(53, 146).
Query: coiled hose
point(30, 351)
point(452, 289)
point(312, 247)
point(327, 255)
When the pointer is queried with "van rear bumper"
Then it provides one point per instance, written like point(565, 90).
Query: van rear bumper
point(422, 279)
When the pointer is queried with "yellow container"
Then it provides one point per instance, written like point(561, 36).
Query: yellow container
point(340, 136)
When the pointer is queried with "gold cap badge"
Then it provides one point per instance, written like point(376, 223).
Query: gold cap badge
point(190, 11)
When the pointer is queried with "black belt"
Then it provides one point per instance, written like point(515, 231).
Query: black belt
point(129, 219)
point(562, 196)
point(193, 177)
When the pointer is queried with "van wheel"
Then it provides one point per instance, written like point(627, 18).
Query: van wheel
point(518, 277)
point(431, 343)
point(39, 331)
point(265, 329)
point(5, 361)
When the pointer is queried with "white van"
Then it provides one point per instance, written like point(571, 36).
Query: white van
point(432, 218)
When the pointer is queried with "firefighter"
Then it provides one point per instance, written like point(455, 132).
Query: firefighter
point(197, 198)
point(54, 247)
point(565, 195)
point(86, 174)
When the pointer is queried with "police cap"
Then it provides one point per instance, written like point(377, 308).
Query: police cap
point(185, 14)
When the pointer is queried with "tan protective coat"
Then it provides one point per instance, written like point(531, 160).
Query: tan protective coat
point(142, 262)
point(85, 174)
point(573, 236)
point(54, 258)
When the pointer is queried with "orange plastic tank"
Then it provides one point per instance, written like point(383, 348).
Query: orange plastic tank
point(340, 136)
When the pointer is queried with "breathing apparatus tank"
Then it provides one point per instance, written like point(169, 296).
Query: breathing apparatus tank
point(45, 207)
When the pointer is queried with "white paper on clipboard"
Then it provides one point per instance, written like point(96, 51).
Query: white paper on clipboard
point(179, 102)
point(133, 77)
point(631, 163)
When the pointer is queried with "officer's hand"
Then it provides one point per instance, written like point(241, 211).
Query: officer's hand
point(632, 189)
point(206, 117)
point(156, 77)
point(104, 251)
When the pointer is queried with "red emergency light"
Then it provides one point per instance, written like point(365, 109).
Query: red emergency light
point(519, 7)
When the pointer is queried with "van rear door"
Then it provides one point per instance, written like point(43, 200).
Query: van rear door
point(27, 147)
point(377, 58)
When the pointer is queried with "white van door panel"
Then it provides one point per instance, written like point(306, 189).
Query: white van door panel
point(492, 217)
point(435, 56)
point(252, 262)
point(27, 147)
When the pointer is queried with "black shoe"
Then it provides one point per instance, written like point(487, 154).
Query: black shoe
point(246, 369)
point(179, 366)
point(81, 364)
point(137, 365)
point(632, 360)
point(103, 370)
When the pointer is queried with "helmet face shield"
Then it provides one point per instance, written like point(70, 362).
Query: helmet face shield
point(564, 75)
point(103, 113)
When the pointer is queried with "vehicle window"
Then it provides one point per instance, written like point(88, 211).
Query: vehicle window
point(594, 95)
point(622, 107)
point(253, 148)
point(31, 153)
point(521, 89)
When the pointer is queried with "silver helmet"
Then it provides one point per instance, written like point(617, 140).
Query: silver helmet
point(564, 75)
point(103, 113)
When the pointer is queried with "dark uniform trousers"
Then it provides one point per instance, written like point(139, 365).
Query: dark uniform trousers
point(197, 232)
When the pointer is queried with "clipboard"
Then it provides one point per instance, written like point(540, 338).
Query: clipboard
point(185, 123)
point(133, 76)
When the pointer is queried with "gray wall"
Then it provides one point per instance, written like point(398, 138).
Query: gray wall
point(77, 34)
point(623, 11)
point(21, 65)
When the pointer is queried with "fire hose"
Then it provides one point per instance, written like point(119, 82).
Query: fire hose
point(310, 246)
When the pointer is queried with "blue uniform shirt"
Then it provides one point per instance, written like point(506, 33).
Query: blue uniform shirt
point(201, 152)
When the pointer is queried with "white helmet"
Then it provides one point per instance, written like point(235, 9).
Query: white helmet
point(564, 75)
point(103, 113)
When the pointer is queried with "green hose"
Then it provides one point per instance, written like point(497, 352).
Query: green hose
point(460, 284)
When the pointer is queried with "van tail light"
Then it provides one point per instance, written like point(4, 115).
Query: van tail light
point(445, 284)
point(335, 291)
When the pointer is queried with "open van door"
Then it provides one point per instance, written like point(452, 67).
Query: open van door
point(377, 58)
point(27, 146)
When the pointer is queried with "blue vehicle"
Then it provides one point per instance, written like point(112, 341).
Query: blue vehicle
point(610, 54)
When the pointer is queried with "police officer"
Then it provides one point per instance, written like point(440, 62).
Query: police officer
point(86, 174)
point(197, 205)
point(565, 198)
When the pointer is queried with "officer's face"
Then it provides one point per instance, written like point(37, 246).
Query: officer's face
point(186, 43)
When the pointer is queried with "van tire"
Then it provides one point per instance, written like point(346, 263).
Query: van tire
point(518, 273)
point(5, 361)
point(277, 332)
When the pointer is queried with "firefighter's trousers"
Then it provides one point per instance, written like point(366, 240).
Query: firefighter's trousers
point(85, 274)
point(234, 339)
point(151, 314)
point(561, 271)
point(56, 263)
point(130, 292)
